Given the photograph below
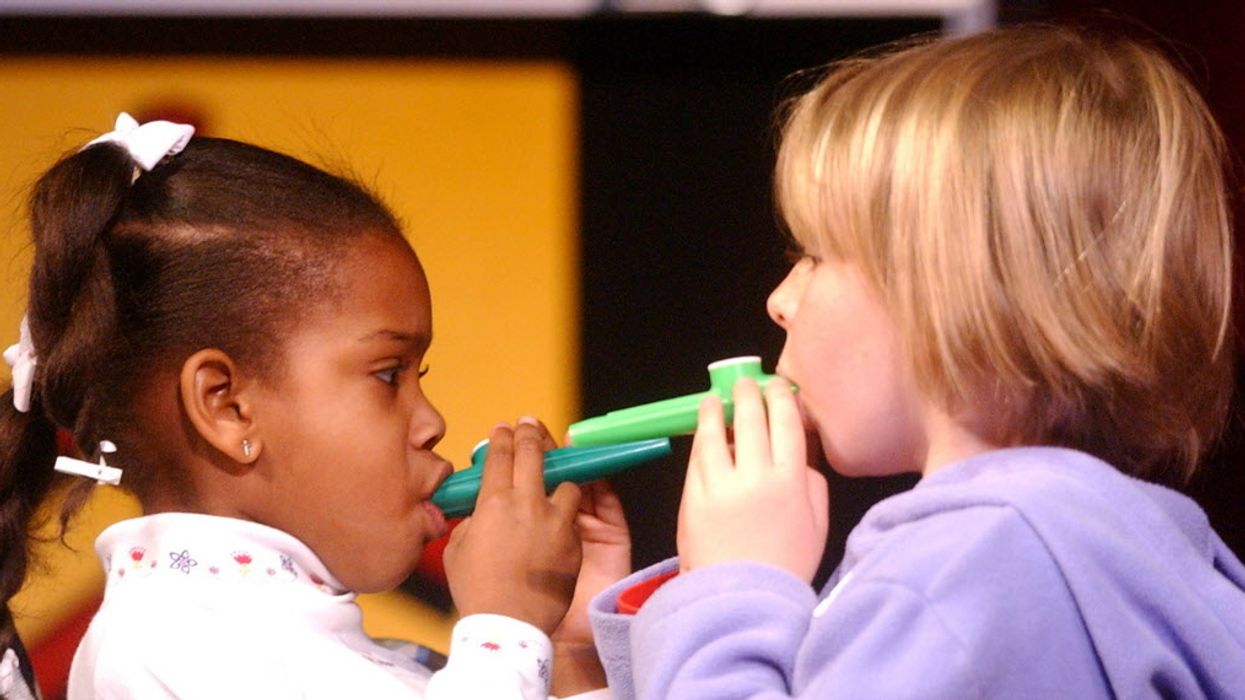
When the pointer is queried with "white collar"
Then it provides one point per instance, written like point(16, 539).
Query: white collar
point(197, 547)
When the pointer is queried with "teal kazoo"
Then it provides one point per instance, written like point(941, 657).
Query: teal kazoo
point(457, 494)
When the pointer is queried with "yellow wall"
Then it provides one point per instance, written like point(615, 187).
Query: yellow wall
point(478, 160)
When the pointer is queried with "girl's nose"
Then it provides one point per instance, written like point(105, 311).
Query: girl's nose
point(427, 426)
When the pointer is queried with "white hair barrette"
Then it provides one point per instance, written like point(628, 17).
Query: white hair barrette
point(147, 143)
point(101, 472)
point(21, 358)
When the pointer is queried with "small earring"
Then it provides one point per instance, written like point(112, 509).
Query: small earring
point(246, 448)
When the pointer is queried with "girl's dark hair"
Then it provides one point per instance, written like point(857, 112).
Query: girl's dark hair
point(217, 246)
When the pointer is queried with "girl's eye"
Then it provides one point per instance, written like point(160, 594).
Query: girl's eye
point(393, 375)
point(390, 376)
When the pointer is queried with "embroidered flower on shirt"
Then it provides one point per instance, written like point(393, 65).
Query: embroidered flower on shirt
point(244, 561)
point(137, 562)
point(542, 668)
point(491, 646)
point(182, 561)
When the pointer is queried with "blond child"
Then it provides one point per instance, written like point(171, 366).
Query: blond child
point(1014, 278)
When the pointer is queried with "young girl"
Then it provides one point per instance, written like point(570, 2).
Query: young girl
point(237, 338)
point(1014, 279)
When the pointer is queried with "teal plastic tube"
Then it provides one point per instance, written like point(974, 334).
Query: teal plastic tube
point(457, 494)
point(669, 417)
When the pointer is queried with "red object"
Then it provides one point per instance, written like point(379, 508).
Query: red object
point(66, 446)
point(431, 565)
point(53, 655)
point(630, 600)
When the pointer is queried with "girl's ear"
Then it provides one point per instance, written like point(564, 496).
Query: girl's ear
point(215, 398)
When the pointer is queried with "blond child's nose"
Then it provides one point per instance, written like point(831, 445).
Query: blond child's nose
point(779, 303)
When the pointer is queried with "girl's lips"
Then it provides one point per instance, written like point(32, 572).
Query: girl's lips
point(437, 527)
point(436, 519)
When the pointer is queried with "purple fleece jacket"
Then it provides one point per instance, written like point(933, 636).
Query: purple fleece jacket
point(1021, 573)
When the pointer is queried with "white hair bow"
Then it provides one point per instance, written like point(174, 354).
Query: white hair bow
point(147, 143)
point(21, 357)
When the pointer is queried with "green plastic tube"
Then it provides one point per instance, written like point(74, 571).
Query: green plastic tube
point(669, 417)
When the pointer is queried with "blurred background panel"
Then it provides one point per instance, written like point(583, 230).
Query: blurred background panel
point(587, 182)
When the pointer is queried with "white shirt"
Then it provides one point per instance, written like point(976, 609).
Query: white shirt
point(199, 606)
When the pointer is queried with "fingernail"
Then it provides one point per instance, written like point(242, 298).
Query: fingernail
point(528, 420)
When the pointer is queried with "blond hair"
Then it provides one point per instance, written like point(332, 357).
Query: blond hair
point(1044, 212)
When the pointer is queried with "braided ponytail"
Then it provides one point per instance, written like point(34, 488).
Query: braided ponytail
point(27, 452)
point(71, 320)
point(72, 310)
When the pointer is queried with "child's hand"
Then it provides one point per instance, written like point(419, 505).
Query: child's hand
point(762, 504)
point(607, 559)
point(519, 553)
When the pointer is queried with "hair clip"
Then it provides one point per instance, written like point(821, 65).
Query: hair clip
point(21, 358)
point(147, 143)
point(101, 472)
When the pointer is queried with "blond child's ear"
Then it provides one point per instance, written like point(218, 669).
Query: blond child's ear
point(215, 399)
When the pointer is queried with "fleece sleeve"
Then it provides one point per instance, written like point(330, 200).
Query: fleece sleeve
point(745, 630)
point(611, 630)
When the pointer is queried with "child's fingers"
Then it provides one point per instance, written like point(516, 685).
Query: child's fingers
point(600, 505)
point(710, 454)
point(752, 448)
point(786, 428)
point(601, 500)
point(498, 473)
point(819, 498)
point(547, 442)
point(566, 498)
point(529, 458)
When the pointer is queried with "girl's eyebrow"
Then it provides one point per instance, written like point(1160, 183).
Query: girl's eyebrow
point(419, 340)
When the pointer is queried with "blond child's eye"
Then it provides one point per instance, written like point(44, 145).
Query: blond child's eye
point(797, 254)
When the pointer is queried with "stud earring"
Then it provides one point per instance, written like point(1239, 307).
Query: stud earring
point(246, 448)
